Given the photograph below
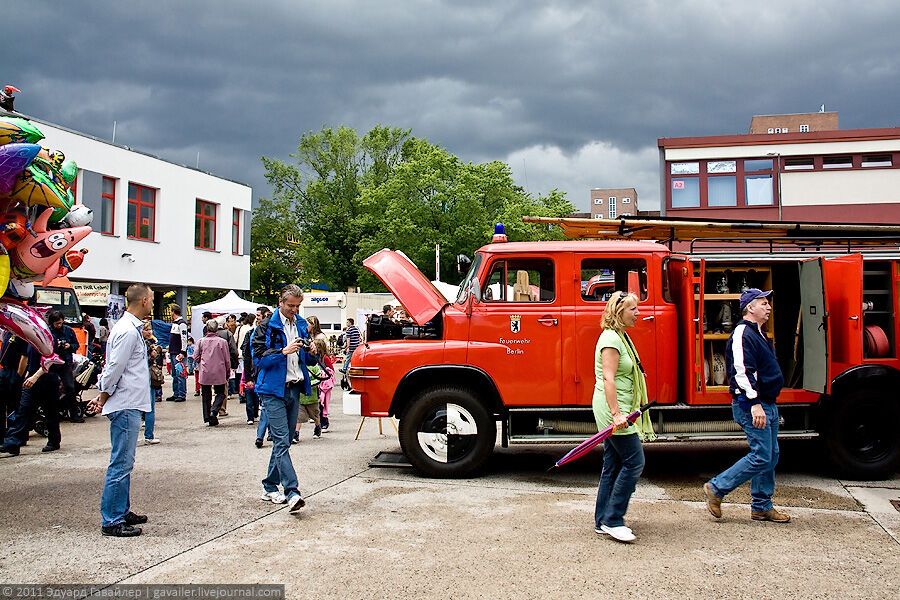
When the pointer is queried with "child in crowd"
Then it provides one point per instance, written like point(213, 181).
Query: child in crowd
point(190, 356)
point(157, 374)
point(179, 379)
point(326, 378)
point(309, 406)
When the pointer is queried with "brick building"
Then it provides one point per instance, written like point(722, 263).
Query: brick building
point(795, 123)
point(611, 203)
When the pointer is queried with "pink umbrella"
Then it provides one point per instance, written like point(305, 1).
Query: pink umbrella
point(588, 444)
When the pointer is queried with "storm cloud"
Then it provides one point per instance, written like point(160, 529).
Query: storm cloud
point(572, 95)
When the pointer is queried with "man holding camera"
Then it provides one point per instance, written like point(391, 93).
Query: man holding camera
point(280, 358)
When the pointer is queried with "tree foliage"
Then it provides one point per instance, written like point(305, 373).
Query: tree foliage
point(347, 196)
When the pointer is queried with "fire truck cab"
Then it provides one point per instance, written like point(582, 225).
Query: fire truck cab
point(516, 348)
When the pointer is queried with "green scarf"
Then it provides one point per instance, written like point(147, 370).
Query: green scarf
point(644, 425)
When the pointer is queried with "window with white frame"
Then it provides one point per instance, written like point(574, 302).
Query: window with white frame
point(612, 207)
point(598, 201)
point(804, 129)
point(626, 200)
point(598, 216)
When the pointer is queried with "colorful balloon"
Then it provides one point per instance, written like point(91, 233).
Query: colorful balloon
point(20, 290)
point(38, 186)
point(4, 270)
point(14, 159)
point(40, 254)
point(71, 261)
point(14, 130)
point(79, 216)
point(28, 323)
point(13, 229)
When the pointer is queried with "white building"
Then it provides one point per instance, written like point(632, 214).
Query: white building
point(171, 226)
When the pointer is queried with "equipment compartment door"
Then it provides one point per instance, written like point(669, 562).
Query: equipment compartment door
point(843, 288)
point(814, 325)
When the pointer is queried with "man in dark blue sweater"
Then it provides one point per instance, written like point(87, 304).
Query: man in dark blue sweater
point(755, 380)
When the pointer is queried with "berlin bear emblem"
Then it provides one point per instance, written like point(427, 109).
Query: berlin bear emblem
point(515, 323)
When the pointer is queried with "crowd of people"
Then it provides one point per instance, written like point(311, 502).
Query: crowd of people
point(281, 366)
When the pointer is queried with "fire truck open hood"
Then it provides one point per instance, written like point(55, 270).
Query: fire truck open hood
point(421, 300)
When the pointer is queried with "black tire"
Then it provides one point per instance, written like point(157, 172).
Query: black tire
point(428, 446)
point(862, 434)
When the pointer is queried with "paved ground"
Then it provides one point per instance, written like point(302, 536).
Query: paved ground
point(518, 531)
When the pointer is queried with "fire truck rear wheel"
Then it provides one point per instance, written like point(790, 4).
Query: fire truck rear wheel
point(447, 432)
point(862, 434)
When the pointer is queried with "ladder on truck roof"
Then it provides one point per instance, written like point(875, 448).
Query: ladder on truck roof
point(714, 237)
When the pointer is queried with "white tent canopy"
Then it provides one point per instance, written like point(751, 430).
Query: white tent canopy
point(229, 304)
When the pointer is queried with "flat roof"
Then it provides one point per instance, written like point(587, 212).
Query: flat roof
point(753, 139)
point(6, 113)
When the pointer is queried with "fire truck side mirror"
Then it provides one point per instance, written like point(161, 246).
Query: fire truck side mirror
point(463, 263)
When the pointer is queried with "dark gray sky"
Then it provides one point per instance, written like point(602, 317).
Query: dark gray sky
point(572, 95)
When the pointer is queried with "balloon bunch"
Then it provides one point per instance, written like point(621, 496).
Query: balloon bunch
point(39, 225)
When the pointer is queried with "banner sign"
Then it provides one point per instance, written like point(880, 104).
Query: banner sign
point(91, 293)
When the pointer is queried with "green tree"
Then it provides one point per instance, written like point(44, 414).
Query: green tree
point(323, 185)
point(276, 256)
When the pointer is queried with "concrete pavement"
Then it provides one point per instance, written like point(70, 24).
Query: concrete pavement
point(518, 531)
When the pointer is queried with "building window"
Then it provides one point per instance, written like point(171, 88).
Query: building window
point(612, 207)
point(721, 166)
point(205, 225)
point(626, 200)
point(758, 190)
point(141, 212)
point(837, 162)
point(877, 160)
point(235, 231)
point(798, 164)
point(108, 206)
point(771, 130)
point(598, 201)
point(691, 168)
point(598, 216)
point(722, 190)
point(685, 192)
point(804, 129)
point(753, 166)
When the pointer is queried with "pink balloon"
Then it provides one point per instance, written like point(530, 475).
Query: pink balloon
point(28, 324)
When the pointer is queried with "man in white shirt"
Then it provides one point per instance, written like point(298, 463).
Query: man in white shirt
point(124, 394)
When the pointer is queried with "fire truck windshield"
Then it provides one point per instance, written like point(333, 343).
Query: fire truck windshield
point(467, 282)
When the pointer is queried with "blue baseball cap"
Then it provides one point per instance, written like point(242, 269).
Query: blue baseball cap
point(752, 294)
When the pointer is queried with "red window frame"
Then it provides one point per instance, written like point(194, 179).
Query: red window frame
point(138, 204)
point(112, 206)
point(236, 231)
point(740, 173)
point(201, 219)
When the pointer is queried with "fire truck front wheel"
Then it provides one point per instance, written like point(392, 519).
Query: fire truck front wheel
point(862, 434)
point(447, 432)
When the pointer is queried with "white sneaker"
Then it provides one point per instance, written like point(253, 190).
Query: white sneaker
point(275, 497)
point(154, 440)
point(295, 503)
point(599, 530)
point(621, 533)
point(250, 421)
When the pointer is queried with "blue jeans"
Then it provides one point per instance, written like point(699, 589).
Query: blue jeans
point(282, 422)
point(150, 417)
point(179, 387)
point(263, 417)
point(115, 503)
point(623, 462)
point(250, 403)
point(758, 465)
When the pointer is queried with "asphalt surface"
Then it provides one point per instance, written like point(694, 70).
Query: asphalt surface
point(517, 531)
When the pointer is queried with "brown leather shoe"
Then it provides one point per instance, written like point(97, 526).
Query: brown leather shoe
point(770, 515)
point(713, 502)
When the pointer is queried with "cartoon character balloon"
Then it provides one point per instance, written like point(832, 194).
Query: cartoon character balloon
point(38, 256)
point(28, 323)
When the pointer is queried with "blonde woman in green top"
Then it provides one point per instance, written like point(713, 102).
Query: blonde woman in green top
point(619, 389)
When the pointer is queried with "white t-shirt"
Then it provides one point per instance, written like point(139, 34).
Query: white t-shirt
point(293, 360)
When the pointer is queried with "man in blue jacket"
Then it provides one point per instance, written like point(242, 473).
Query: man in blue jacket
point(280, 358)
point(755, 380)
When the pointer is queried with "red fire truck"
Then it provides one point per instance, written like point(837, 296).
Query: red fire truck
point(516, 347)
